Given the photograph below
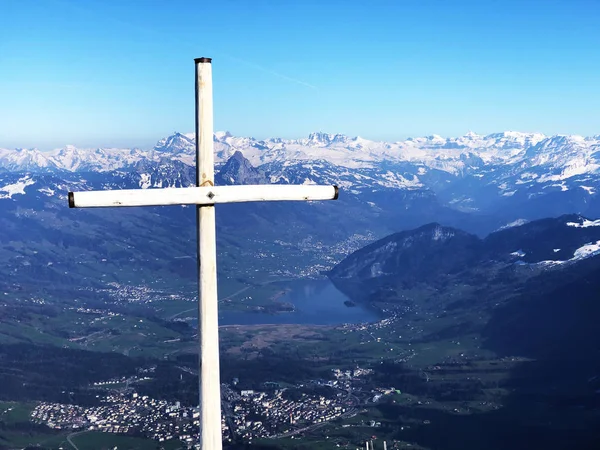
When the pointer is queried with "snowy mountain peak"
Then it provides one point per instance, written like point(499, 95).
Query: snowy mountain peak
point(25, 159)
point(237, 155)
point(221, 135)
point(436, 138)
point(517, 136)
point(319, 138)
point(175, 144)
point(324, 139)
point(238, 170)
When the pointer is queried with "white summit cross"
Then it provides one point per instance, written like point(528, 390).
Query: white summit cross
point(205, 195)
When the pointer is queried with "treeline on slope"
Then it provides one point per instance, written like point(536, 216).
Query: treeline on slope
point(553, 401)
point(550, 406)
point(399, 376)
point(553, 316)
point(253, 373)
point(23, 429)
point(507, 428)
point(173, 380)
point(554, 321)
point(47, 373)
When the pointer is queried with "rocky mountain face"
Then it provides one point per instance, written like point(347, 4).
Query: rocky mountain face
point(238, 170)
point(421, 255)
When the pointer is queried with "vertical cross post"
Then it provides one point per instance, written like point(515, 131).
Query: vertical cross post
point(204, 196)
point(208, 319)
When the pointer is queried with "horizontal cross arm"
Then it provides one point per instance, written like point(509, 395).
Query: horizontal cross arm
point(206, 195)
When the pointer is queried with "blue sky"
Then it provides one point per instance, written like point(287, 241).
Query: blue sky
point(102, 72)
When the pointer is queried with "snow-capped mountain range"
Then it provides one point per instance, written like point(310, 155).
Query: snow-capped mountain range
point(508, 171)
point(509, 162)
point(453, 155)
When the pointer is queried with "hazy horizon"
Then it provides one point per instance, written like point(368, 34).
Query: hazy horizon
point(151, 143)
point(120, 74)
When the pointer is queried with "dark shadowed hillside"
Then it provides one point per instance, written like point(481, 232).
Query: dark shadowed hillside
point(434, 267)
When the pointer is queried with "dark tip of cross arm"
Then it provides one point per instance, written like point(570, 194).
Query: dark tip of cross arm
point(337, 192)
point(202, 60)
point(71, 200)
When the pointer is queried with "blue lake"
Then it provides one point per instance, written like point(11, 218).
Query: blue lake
point(317, 302)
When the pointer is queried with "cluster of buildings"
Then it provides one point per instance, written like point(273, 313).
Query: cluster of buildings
point(257, 414)
point(85, 310)
point(350, 373)
point(323, 256)
point(130, 414)
point(350, 245)
point(369, 328)
point(247, 414)
point(127, 293)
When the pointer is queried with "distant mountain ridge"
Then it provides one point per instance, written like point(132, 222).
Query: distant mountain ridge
point(463, 171)
point(453, 155)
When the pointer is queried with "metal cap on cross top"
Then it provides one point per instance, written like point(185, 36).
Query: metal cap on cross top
point(204, 195)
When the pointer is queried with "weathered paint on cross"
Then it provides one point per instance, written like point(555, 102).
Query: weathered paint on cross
point(208, 317)
point(205, 195)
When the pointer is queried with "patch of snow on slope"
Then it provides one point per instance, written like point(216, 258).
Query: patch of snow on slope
point(16, 188)
point(549, 263)
point(145, 180)
point(376, 270)
point(519, 253)
point(573, 169)
point(583, 252)
point(515, 223)
point(590, 190)
point(586, 251)
point(440, 234)
point(49, 192)
point(586, 223)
